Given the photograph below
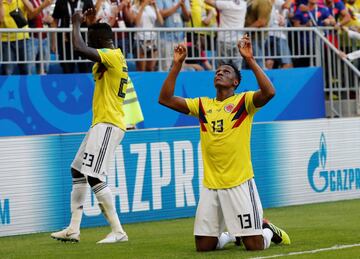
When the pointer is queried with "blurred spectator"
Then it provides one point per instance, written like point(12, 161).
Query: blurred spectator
point(125, 18)
point(147, 15)
point(117, 14)
point(198, 12)
point(2, 14)
point(41, 19)
point(175, 14)
point(210, 21)
point(16, 46)
point(197, 50)
point(339, 12)
point(258, 16)
point(354, 12)
point(316, 16)
point(232, 17)
point(353, 34)
point(350, 45)
point(277, 43)
point(63, 10)
point(106, 11)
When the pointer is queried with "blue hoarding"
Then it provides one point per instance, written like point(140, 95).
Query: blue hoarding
point(62, 103)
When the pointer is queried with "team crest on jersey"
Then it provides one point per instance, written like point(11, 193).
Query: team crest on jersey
point(229, 107)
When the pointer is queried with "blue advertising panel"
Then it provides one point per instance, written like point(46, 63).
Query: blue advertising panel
point(62, 103)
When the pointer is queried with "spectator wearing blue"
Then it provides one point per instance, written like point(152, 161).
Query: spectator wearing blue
point(338, 10)
point(315, 16)
point(175, 13)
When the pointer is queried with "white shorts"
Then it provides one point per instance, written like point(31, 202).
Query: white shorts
point(97, 150)
point(236, 209)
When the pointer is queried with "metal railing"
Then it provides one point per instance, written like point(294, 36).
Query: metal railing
point(308, 46)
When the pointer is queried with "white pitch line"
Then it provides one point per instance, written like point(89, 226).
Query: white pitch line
point(336, 247)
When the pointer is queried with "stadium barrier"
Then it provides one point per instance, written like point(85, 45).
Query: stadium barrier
point(309, 46)
point(156, 174)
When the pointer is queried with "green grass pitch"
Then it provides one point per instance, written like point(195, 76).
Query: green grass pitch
point(311, 227)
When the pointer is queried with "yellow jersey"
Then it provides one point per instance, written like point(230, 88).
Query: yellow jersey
point(111, 81)
point(9, 22)
point(225, 132)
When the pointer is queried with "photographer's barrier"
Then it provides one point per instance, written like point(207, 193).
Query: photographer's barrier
point(62, 103)
point(156, 174)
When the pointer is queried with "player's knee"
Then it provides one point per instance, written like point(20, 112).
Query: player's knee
point(205, 244)
point(76, 174)
point(93, 181)
point(253, 243)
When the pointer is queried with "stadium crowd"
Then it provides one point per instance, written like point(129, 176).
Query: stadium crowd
point(234, 16)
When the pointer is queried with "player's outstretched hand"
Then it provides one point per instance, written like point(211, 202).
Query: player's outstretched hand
point(77, 18)
point(180, 53)
point(90, 16)
point(245, 47)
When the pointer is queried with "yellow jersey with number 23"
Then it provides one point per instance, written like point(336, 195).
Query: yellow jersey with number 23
point(225, 132)
point(111, 80)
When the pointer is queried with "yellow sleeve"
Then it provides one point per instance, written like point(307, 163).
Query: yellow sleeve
point(111, 57)
point(193, 105)
point(249, 104)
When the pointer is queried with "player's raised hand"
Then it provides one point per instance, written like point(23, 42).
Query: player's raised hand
point(90, 16)
point(77, 18)
point(245, 47)
point(180, 53)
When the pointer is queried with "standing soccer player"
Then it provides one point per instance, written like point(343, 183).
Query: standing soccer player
point(229, 197)
point(107, 130)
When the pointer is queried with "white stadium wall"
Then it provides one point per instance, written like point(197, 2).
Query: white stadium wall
point(156, 174)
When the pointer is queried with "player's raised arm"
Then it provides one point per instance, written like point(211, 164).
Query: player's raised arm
point(78, 42)
point(267, 90)
point(166, 96)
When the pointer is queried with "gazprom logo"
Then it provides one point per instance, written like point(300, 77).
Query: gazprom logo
point(322, 179)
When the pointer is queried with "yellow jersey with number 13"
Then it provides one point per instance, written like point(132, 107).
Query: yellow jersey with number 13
point(225, 133)
point(111, 80)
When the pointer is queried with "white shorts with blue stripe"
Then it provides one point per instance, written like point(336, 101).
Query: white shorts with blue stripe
point(97, 150)
point(237, 210)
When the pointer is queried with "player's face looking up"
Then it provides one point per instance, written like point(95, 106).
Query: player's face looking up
point(225, 77)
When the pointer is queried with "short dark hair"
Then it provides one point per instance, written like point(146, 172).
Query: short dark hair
point(236, 70)
point(103, 30)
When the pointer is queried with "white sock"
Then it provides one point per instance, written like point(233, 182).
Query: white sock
point(225, 238)
point(78, 195)
point(104, 197)
point(267, 234)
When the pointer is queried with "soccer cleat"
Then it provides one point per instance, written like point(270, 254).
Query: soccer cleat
point(114, 238)
point(238, 241)
point(66, 235)
point(279, 235)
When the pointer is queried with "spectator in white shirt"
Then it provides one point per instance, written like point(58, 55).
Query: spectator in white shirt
point(232, 17)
